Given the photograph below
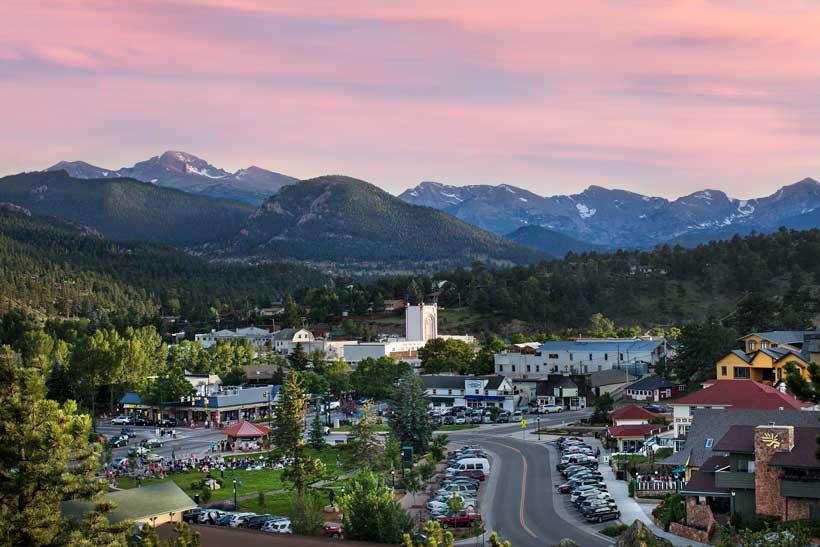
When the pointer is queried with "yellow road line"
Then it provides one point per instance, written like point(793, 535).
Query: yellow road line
point(523, 488)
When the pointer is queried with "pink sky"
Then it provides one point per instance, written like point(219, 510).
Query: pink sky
point(662, 97)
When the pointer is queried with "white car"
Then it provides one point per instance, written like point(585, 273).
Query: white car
point(438, 507)
point(138, 451)
point(240, 519)
point(277, 526)
point(122, 420)
point(551, 409)
point(153, 458)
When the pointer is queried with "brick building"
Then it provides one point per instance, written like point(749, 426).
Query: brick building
point(769, 470)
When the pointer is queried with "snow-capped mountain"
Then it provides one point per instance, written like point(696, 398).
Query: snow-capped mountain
point(618, 218)
point(186, 172)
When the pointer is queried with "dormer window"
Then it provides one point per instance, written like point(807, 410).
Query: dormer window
point(764, 344)
point(751, 345)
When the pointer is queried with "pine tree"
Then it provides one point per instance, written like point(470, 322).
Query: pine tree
point(46, 455)
point(410, 424)
point(298, 358)
point(287, 434)
point(363, 438)
point(317, 432)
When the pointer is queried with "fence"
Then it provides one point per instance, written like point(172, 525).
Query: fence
point(658, 486)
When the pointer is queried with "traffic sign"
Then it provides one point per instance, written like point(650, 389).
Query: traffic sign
point(523, 423)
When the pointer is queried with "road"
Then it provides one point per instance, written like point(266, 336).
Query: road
point(519, 502)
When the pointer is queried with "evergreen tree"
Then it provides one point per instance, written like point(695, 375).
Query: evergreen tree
point(363, 439)
point(298, 358)
point(292, 316)
point(370, 513)
point(409, 422)
point(287, 434)
point(317, 432)
point(46, 455)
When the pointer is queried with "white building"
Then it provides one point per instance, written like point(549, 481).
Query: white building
point(401, 350)
point(470, 391)
point(285, 340)
point(582, 356)
point(259, 338)
point(421, 322)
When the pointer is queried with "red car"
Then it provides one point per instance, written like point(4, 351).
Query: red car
point(459, 519)
point(333, 531)
point(472, 474)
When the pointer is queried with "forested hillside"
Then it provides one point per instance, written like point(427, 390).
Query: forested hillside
point(57, 269)
point(126, 209)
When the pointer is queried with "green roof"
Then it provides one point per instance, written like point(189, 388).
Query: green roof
point(138, 504)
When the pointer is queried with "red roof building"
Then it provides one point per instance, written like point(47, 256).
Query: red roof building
point(631, 414)
point(247, 431)
point(631, 438)
point(735, 394)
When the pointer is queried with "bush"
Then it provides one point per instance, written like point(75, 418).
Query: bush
point(672, 509)
point(663, 453)
point(615, 530)
point(632, 488)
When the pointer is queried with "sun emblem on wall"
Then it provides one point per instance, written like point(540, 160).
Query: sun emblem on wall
point(772, 440)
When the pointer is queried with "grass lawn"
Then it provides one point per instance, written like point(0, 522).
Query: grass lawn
point(275, 504)
point(378, 428)
point(456, 427)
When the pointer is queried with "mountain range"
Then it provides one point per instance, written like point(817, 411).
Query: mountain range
point(338, 222)
point(183, 171)
point(619, 218)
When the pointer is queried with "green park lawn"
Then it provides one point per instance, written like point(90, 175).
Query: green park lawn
point(456, 427)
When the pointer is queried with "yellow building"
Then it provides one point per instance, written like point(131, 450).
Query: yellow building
point(766, 354)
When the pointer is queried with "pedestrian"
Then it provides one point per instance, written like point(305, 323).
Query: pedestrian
point(597, 452)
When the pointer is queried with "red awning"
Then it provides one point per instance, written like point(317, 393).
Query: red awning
point(246, 429)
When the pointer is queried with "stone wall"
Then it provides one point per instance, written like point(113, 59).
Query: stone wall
point(770, 440)
point(699, 515)
point(694, 534)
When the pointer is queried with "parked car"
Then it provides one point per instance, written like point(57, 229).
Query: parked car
point(193, 515)
point(476, 474)
point(601, 514)
point(517, 416)
point(551, 409)
point(503, 417)
point(118, 441)
point(119, 463)
point(167, 422)
point(211, 516)
point(153, 458)
point(658, 408)
point(122, 419)
point(332, 531)
point(138, 451)
point(277, 526)
point(225, 520)
point(257, 521)
point(459, 519)
point(239, 520)
point(154, 443)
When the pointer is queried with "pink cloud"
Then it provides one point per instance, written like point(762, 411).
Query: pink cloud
point(661, 97)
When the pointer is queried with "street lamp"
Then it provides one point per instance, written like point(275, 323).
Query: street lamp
point(235, 506)
point(538, 427)
point(393, 477)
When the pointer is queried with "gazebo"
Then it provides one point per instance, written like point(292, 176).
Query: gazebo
point(247, 433)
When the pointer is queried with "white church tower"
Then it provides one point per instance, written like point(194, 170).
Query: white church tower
point(421, 322)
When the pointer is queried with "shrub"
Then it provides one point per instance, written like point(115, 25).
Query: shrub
point(632, 488)
point(615, 530)
point(671, 509)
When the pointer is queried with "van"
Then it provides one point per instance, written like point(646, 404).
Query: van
point(471, 464)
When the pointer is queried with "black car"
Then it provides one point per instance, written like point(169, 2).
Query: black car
point(141, 420)
point(118, 441)
point(168, 422)
point(257, 521)
point(128, 432)
point(601, 514)
point(192, 515)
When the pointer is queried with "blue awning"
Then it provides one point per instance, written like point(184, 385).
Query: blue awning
point(484, 398)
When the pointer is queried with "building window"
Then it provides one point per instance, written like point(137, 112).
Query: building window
point(606, 357)
point(751, 345)
point(710, 443)
point(449, 392)
point(621, 356)
point(570, 357)
point(590, 357)
point(741, 372)
point(537, 368)
point(750, 466)
point(529, 368)
point(513, 368)
point(724, 371)
point(477, 392)
point(764, 344)
point(553, 356)
point(500, 368)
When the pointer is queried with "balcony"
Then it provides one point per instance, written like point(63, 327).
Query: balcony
point(735, 480)
point(799, 489)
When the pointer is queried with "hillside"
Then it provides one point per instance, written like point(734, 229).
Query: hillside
point(126, 209)
point(56, 268)
point(553, 243)
point(341, 219)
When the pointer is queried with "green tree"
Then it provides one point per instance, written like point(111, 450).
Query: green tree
point(287, 434)
point(363, 439)
point(447, 355)
point(167, 388)
point(700, 345)
point(484, 362)
point(409, 422)
point(45, 456)
point(298, 358)
point(376, 378)
point(96, 529)
point(455, 504)
point(337, 375)
point(316, 437)
point(603, 406)
point(601, 327)
point(292, 316)
point(306, 514)
point(435, 534)
point(370, 513)
point(314, 383)
point(191, 356)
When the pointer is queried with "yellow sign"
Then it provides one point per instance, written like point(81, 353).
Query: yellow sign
point(523, 423)
point(772, 440)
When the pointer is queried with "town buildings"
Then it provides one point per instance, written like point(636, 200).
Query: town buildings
point(259, 338)
point(470, 391)
point(582, 356)
point(764, 356)
point(653, 389)
point(632, 426)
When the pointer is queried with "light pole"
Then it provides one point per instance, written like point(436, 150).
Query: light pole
point(234, 495)
point(393, 477)
point(538, 427)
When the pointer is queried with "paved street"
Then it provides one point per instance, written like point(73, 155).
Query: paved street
point(519, 501)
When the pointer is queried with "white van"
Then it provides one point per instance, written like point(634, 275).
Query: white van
point(470, 464)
